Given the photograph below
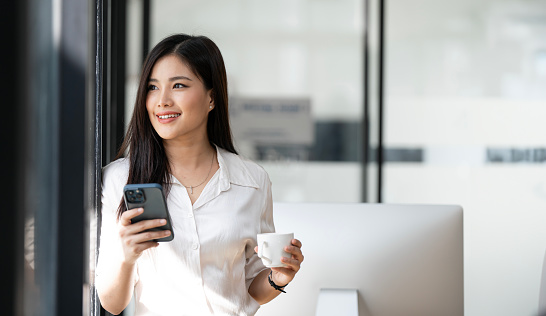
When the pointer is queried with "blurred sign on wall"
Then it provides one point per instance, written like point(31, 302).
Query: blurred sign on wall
point(272, 121)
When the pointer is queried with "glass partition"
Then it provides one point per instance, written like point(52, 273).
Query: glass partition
point(465, 86)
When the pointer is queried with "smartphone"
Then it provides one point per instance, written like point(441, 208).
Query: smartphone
point(150, 197)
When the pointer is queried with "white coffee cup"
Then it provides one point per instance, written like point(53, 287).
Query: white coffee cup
point(271, 248)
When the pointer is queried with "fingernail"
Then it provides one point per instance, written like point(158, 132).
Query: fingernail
point(163, 221)
point(140, 210)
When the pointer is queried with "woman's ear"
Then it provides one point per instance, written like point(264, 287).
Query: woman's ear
point(211, 99)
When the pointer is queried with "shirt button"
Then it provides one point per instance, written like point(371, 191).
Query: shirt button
point(194, 246)
point(190, 215)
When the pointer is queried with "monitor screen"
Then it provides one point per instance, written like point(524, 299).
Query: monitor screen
point(401, 259)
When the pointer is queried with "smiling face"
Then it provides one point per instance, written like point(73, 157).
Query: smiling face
point(177, 101)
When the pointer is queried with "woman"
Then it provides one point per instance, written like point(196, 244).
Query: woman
point(179, 136)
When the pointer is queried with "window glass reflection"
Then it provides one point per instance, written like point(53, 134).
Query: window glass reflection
point(282, 56)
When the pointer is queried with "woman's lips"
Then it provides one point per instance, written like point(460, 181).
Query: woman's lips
point(167, 117)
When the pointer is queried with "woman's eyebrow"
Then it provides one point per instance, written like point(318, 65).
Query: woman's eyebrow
point(179, 78)
point(171, 79)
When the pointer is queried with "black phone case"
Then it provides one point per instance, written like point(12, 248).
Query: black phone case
point(154, 205)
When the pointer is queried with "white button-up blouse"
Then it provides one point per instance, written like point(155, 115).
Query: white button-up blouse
point(209, 265)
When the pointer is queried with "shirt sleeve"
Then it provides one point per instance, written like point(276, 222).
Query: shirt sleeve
point(254, 264)
point(110, 248)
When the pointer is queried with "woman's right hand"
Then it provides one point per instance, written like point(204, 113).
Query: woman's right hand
point(134, 237)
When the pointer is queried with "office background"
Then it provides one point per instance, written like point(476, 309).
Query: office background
point(464, 99)
point(449, 97)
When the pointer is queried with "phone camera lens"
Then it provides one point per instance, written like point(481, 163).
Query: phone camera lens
point(130, 192)
point(138, 195)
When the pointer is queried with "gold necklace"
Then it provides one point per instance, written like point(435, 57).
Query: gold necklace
point(195, 186)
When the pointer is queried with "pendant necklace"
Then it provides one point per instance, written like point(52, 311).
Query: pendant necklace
point(195, 186)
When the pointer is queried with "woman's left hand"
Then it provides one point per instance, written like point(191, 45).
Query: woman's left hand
point(283, 276)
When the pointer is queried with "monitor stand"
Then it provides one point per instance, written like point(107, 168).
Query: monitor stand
point(337, 302)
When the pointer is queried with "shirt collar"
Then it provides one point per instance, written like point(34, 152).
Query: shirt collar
point(233, 171)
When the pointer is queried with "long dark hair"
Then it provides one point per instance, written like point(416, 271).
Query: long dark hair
point(148, 162)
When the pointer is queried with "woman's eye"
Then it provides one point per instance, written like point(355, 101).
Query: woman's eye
point(179, 85)
point(152, 87)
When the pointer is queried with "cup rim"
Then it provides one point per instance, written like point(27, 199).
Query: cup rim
point(279, 234)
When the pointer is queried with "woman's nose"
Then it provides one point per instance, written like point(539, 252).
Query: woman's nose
point(164, 99)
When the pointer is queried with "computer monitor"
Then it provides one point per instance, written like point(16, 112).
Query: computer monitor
point(402, 259)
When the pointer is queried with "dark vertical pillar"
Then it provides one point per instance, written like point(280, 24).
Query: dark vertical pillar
point(73, 63)
point(146, 15)
point(100, 18)
point(380, 119)
point(114, 114)
point(103, 77)
point(12, 135)
point(366, 100)
point(110, 82)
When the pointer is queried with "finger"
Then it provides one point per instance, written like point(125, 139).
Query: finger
point(294, 264)
point(256, 249)
point(126, 217)
point(142, 226)
point(147, 236)
point(149, 223)
point(295, 252)
point(296, 242)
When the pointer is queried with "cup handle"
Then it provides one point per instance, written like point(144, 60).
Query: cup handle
point(260, 251)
